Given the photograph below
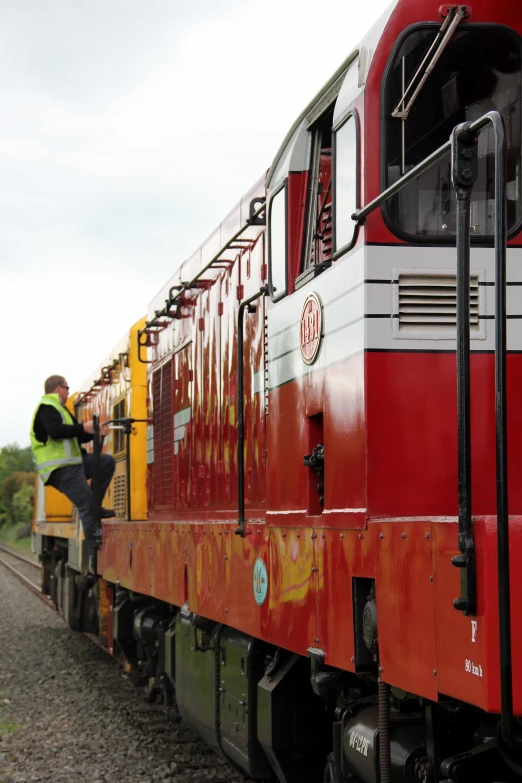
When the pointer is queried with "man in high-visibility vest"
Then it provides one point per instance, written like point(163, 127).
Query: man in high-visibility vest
point(60, 461)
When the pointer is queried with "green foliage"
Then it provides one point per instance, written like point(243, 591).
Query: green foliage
point(16, 484)
point(9, 727)
point(23, 502)
point(15, 459)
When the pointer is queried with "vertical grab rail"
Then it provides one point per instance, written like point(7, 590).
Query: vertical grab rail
point(96, 482)
point(507, 723)
point(246, 305)
point(463, 171)
point(464, 165)
point(504, 594)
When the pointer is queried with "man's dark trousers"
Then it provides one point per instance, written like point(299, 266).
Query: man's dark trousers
point(72, 481)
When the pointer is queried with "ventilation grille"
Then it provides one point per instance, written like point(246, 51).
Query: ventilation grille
point(430, 302)
point(163, 421)
point(119, 495)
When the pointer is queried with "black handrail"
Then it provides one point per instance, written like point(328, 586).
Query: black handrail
point(464, 165)
point(500, 239)
point(256, 217)
point(361, 214)
point(96, 483)
point(247, 304)
point(125, 423)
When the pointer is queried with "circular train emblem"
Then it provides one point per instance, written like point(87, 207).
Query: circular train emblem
point(311, 328)
point(260, 581)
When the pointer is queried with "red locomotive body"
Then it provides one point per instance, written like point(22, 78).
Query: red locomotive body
point(297, 565)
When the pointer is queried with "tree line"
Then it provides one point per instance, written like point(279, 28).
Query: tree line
point(16, 485)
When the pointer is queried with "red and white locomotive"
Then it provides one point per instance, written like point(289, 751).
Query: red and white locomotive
point(318, 573)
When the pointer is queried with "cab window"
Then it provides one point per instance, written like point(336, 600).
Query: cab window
point(277, 244)
point(345, 182)
point(318, 249)
point(478, 71)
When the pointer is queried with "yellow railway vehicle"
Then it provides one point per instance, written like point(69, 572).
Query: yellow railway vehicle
point(117, 389)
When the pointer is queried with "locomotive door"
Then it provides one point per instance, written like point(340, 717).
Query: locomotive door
point(316, 325)
point(254, 365)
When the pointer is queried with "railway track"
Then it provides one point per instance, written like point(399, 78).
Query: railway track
point(157, 735)
point(6, 555)
point(8, 558)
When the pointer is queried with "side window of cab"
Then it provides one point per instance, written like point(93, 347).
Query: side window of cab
point(277, 243)
point(345, 182)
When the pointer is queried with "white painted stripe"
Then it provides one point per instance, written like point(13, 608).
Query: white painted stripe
point(359, 316)
point(61, 461)
point(296, 511)
point(179, 433)
point(150, 444)
point(182, 417)
point(345, 511)
point(341, 292)
point(258, 381)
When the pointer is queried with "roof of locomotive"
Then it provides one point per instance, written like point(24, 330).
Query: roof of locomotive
point(231, 224)
point(237, 216)
point(333, 87)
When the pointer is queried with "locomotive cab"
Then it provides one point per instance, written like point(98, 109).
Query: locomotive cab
point(362, 328)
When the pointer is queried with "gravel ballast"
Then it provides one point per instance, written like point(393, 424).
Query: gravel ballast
point(68, 712)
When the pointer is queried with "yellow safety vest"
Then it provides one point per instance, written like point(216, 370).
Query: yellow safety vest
point(54, 453)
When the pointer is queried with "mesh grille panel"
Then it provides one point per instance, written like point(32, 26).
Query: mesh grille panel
point(119, 495)
point(162, 399)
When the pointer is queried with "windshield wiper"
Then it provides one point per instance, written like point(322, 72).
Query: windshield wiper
point(456, 14)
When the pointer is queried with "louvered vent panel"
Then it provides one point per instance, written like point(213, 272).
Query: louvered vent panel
point(430, 301)
point(162, 392)
point(119, 495)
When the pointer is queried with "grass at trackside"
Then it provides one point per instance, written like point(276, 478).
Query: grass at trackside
point(8, 536)
point(8, 727)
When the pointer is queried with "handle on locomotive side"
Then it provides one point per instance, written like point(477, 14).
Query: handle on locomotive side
point(96, 481)
point(125, 423)
point(246, 305)
point(493, 118)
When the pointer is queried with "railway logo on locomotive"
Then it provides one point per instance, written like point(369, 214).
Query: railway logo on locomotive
point(260, 581)
point(311, 327)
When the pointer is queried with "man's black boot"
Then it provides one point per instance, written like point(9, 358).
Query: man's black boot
point(107, 513)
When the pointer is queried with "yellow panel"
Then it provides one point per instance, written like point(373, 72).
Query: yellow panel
point(57, 507)
point(138, 410)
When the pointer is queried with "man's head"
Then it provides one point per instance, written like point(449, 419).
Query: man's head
point(56, 384)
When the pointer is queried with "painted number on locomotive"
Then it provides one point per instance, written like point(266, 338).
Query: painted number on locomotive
point(359, 743)
point(311, 327)
point(473, 668)
point(260, 581)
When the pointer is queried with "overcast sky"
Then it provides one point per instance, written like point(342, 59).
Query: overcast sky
point(129, 129)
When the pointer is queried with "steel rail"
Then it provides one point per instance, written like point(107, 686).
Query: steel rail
point(18, 556)
point(44, 598)
point(27, 582)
